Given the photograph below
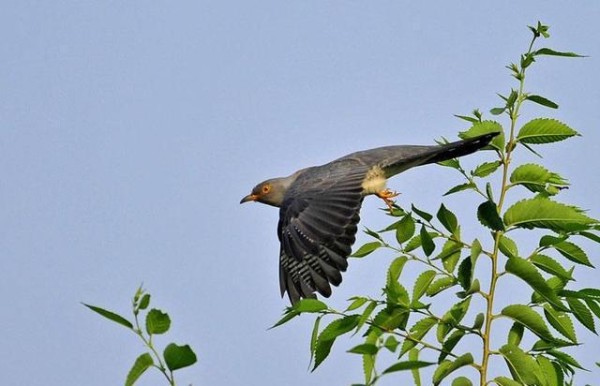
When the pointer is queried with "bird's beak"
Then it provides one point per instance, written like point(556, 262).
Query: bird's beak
point(250, 197)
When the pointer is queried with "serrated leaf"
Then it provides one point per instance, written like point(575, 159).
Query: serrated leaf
point(178, 357)
point(592, 293)
point(523, 367)
point(508, 247)
point(572, 252)
point(551, 266)
point(440, 284)
point(544, 130)
point(329, 334)
point(452, 318)
point(391, 343)
point(141, 364)
point(552, 372)
point(365, 348)
point(365, 315)
point(542, 101)
point(450, 343)
point(486, 168)
point(366, 249)
point(487, 214)
point(421, 284)
point(486, 127)
point(416, 333)
point(447, 367)
point(426, 242)
point(408, 365)
point(413, 356)
point(460, 188)
point(561, 322)
point(313, 338)
point(374, 234)
point(110, 315)
point(390, 318)
point(405, 229)
point(582, 313)
point(545, 213)
point(537, 178)
point(593, 306)
point(529, 274)
point(424, 215)
point(528, 318)
point(157, 322)
point(590, 236)
point(357, 302)
point(465, 273)
point(309, 305)
point(565, 358)
point(447, 219)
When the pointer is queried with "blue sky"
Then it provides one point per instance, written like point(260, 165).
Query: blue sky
point(130, 131)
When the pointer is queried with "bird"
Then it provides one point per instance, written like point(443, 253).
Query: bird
point(319, 208)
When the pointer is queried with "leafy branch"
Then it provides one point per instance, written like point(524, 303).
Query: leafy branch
point(448, 264)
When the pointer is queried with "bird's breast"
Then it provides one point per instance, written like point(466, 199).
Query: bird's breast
point(374, 181)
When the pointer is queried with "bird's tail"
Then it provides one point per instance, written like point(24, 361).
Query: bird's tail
point(406, 157)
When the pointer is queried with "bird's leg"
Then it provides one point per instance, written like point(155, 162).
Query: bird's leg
point(387, 195)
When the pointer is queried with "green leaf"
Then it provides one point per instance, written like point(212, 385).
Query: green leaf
point(452, 318)
point(110, 315)
point(144, 302)
point(530, 275)
point(582, 313)
point(447, 219)
point(590, 236)
point(309, 306)
point(329, 334)
point(422, 284)
point(142, 363)
point(565, 358)
point(544, 130)
point(460, 188)
point(545, 213)
point(572, 252)
point(424, 215)
point(552, 372)
point(391, 343)
point(178, 357)
point(157, 322)
point(450, 343)
point(486, 127)
point(551, 52)
point(485, 169)
point(561, 322)
point(439, 285)
point(523, 367)
point(408, 365)
point(542, 101)
point(503, 381)
point(450, 254)
point(592, 293)
point(357, 302)
point(374, 234)
point(365, 315)
point(548, 264)
point(462, 381)
point(366, 249)
point(508, 247)
point(465, 273)
point(447, 367)
point(487, 214)
point(288, 315)
point(405, 229)
point(537, 178)
point(416, 333)
point(413, 356)
point(313, 337)
point(365, 348)
point(426, 242)
point(515, 334)
point(528, 318)
point(390, 318)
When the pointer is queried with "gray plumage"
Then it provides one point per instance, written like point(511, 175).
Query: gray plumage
point(319, 209)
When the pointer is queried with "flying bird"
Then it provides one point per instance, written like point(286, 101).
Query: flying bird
point(319, 208)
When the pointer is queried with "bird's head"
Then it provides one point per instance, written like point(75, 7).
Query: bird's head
point(268, 192)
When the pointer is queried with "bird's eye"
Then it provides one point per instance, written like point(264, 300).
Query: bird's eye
point(266, 189)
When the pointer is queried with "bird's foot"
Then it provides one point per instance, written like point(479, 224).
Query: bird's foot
point(387, 195)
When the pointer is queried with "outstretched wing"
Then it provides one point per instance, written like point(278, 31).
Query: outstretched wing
point(317, 227)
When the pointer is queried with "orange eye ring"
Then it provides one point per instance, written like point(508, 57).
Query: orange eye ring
point(266, 189)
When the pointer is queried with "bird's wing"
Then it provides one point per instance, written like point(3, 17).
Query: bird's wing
point(317, 227)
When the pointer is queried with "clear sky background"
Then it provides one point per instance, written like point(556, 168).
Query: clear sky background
point(129, 131)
